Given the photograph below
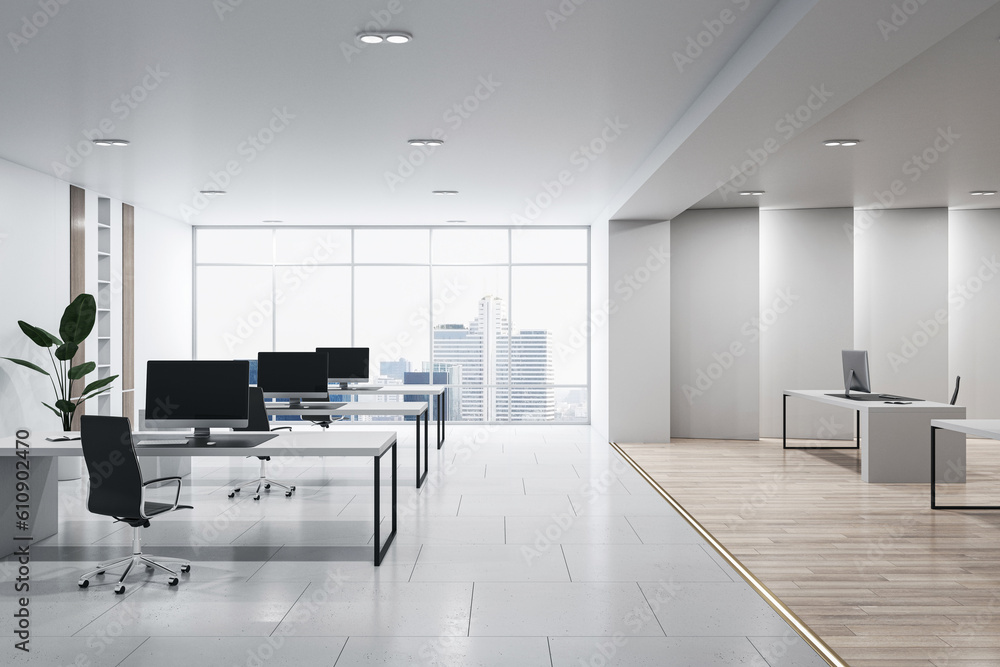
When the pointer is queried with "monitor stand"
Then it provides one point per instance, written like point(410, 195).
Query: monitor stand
point(202, 437)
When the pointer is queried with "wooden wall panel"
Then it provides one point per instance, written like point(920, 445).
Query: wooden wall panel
point(77, 264)
point(128, 311)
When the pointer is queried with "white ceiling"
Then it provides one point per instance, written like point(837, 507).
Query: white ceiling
point(559, 84)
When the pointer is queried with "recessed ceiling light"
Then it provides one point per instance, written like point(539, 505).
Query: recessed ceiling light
point(983, 193)
point(371, 38)
point(456, 222)
point(752, 193)
point(213, 193)
point(426, 142)
point(110, 142)
point(389, 37)
point(272, 222)
point(445, 192)
point(398, 37)
point(841, 142)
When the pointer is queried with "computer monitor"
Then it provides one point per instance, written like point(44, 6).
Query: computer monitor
point(197, 394)
point(346, 364)
point(856, 376)
point(297, 376)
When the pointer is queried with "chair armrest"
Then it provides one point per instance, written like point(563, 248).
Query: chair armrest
point(177, 496)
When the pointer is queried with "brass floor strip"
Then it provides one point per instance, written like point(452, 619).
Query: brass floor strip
point(803, 630)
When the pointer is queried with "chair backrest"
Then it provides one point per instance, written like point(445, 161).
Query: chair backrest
point(958, 381)
point(258, 420)
point(115, 477)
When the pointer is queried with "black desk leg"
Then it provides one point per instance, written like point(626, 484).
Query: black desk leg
point(427, 458)
point(421, 477)
point(380, 549)
point(784, 423)
point(934, 505)
point(857, 429)
point(440, 419)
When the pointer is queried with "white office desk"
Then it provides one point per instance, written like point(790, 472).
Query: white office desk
point(404, 390)
point(978, 428)
point(418, 409)
point(43, 503)
point(895, 439)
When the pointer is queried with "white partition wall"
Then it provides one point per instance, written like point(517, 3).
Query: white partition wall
point(974, 309)
point(714, 347)
point(901, 299)
point(807, 317)
point(639, 332)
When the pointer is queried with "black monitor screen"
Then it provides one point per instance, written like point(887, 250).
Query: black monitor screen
point(292, 374)
point(197, 393)
point(346, 363)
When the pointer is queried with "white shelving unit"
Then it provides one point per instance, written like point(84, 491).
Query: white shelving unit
point(104, 299)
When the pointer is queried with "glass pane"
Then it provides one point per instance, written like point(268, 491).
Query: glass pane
point(391, 318)
point(235, 246)
point(470, 338)
point(550, 314)
point(470, 246)
point(312, 246)
point(313, 307)
point(392, 246)
point(549, 246)
point(234, 311)
point(572, 404)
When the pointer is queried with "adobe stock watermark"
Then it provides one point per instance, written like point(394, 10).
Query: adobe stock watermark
point(914, 168)
point(958, 297)
point(381, 19)
point(248, 149)
point(121, 108)
point(787, 126)
point(31, 25)
point(705, 378)
point(580, 161)
point(421, 319)
point(563, 11)
point(454, 117)
point(900, 15)
point(702, 41)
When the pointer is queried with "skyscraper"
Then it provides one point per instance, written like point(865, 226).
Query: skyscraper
point(508, 374)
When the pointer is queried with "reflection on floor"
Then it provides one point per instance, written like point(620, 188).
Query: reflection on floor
point(881, 577)
point(527, 546)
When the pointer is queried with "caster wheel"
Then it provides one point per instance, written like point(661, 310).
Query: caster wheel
point(293, 488)
point(119, 589)
point(185, 568)
point(172, 581)
point(149, 568)
point(83, 583)
point(257, 497)
point(232, 494)
point(100, 574)
point(288, 494)
point(267, 486)
point(236, 490)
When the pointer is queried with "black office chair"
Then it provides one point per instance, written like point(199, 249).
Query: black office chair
point(118, 490)
point(259, 422)
point(958, 381)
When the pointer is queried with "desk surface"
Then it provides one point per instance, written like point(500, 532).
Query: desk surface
point(410, 409)
point(983, 428)
point(285, 443)
point(820, 395)
point(395, 390)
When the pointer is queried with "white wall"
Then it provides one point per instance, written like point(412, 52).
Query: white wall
point(715, 352)
point(599, 338)
point(901, 299)
point(974, 310)
point(163, 307)
point(34, 287)
point(639, 341)
point(807, 317)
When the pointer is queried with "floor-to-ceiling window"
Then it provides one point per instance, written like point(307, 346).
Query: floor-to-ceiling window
point(501, 315)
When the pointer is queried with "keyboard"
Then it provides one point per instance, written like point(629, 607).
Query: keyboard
point(176, 441)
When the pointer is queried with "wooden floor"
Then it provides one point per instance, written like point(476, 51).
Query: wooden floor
point(871, 568)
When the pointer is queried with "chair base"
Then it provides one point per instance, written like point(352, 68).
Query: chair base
point(137, 558)
point(262, 481)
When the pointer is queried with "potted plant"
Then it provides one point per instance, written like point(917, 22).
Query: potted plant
point(76, 324)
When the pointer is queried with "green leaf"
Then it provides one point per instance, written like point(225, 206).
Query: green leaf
point(27, 364)
point(96, 393)
point(66, 406)
point(78, 372)
point(54, 339)
point(58, 414)
point(38, 336)
point(78, 319)
point(97, 384)
point(66, 351)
